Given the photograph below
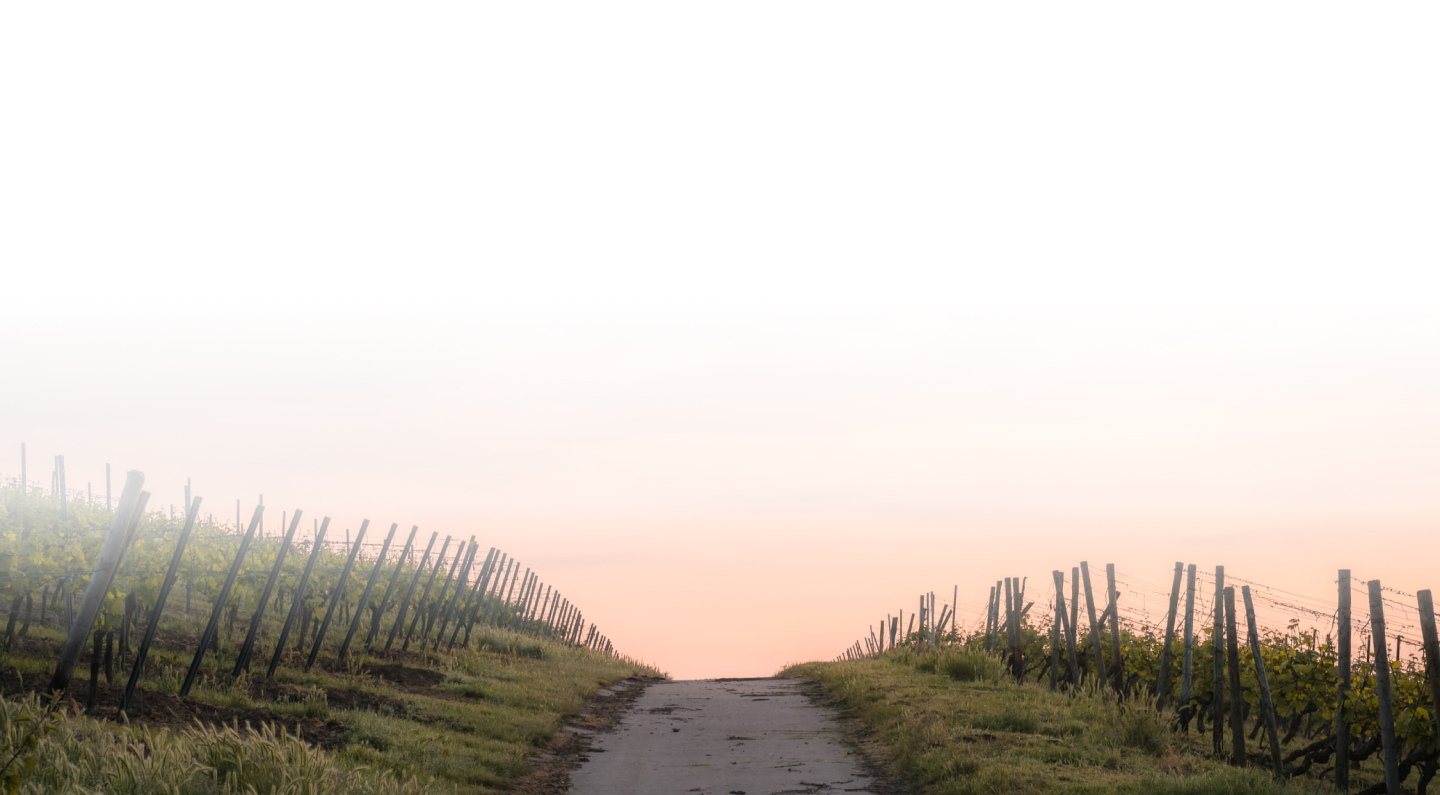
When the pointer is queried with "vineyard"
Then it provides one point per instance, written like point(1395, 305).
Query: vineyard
point(1296, 704)
point(143, 618)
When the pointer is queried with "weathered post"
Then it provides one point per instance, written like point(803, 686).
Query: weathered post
point(1069, 630)
point(1218, 680)
point(1162, 682)
point(154, 622)
point(1188, 666)
point(1267, 705)
point(1055, 640)
point(1432, 653)
point(1237, 714)
point(496, 603)
point(132, 506)
point(484, 594)
point(1009, 624)
point(434, 612)
point(1388, 744)
point(337, 596)
point(410, 592)
point(506, 605)
point(1342, 685)
point(425, 595)
point(460, 590)
point(472, 599)
point(1094, 626)
point(989, 611)
point(242, 661)
point(390, 587)
point(1114, 596)
point(297, 602)
point(365, 594)
point(209, 635)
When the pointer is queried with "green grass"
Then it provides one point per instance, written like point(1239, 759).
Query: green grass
point(950, 723)
point(470, 733)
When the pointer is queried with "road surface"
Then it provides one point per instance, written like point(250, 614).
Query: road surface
point(721, 737)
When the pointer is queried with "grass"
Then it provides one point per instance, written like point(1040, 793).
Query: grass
point(471, 732)
point(949, 723)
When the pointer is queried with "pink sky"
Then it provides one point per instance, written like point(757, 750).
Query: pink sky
point(728, 494)
point(744, 324)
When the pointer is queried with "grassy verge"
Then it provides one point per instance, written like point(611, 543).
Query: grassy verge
point(949, 722)
point(461, 722)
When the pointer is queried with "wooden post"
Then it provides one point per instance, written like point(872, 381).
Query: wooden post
point(490, 613)
point(132, 507)
point(501, 570)
point(410, 592)
point(1094, 626)
point(154, 623)
point(209, 635)
point(989, 611)
point(1069, 630)
point(297, 602)
point(1055, 639)
point(1074, 608)
point(517, 612)
point(473, 599)
point(525, 594)
point(1009, 625)
point(434, 613)
point(420, 606)
point(1162, 682)
point(506, 605)
point(337, 596)
point(1382, 690)
point(1114, 596)
point(1267, 705)
point(1237, 713)
point(448, 609)
point(999, 591)
point(497, 598)
point(94, 670)
point(1017, 615)
point(390, 587)
point(365, 594)
point(537, 620)
point(1342, 685)
point(1217, 642)
point(483, 586)
point(242, 660)
point(550, 620)
point(1187, 669)
point(1432, 653)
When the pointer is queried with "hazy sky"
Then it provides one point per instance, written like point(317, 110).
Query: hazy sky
point(744, 323)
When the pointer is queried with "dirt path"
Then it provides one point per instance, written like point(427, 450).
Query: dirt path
point(721, 737)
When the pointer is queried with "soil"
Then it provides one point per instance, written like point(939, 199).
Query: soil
point(549, 768)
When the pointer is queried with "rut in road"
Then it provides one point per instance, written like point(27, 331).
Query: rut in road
point(724, 736)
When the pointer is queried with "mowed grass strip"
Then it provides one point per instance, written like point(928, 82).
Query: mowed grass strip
point(950, 723)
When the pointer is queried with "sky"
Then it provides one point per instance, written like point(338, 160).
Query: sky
point(744, 325)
